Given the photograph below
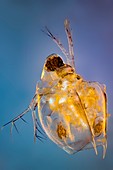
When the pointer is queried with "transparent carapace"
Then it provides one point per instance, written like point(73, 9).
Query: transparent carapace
point(72, 111)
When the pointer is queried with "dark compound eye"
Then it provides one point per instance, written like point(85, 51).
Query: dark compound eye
point(53, 62)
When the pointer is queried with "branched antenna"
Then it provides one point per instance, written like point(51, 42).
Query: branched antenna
point(69, 55)
point(70, 43)
point(57, 41)
point(37, 127)
point(20, 116)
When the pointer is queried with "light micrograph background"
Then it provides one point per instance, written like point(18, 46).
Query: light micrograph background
point(23, 49)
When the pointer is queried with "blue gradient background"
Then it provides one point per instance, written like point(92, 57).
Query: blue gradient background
point(23, 49)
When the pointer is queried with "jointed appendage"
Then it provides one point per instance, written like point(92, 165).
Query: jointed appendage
point(37, 127)
point(72, 111)
point(20, 116)
point(69, 55)
point(70, 43)
point(57, 41)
